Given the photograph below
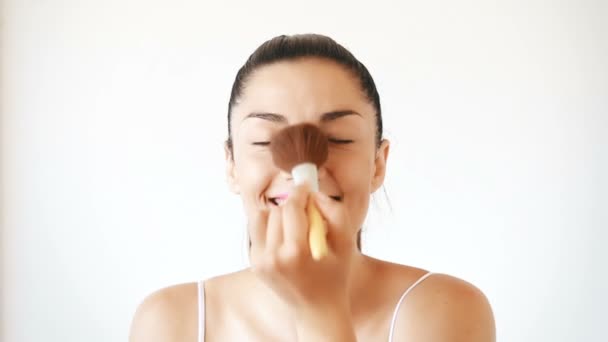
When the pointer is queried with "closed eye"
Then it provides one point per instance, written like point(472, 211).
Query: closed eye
point(340, 141)
point(331, 140)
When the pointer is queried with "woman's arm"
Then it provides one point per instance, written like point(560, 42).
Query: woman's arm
point(313, 289)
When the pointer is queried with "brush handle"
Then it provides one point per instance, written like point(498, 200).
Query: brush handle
point(317, 232)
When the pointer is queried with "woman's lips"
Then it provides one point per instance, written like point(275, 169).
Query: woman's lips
point(281, 198)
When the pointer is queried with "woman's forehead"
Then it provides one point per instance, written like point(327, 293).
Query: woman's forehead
point(301, 87)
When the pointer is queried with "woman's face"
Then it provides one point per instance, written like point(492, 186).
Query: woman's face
point(315, 91)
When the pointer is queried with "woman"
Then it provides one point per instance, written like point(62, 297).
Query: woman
point(286, 295)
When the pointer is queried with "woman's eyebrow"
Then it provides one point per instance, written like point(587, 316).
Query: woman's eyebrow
point(331, 116)
point(278, 118)
point(268, 116)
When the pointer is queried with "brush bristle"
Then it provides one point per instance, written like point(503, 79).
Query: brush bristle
point(297, 144)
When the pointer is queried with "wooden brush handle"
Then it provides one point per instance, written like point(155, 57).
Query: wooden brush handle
point(317, 232)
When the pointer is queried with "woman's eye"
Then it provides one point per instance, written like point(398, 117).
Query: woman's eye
point(340, 141)
point(331, 140)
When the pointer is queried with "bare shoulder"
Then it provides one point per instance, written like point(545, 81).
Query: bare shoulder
point(169, 314)
point(445, 308)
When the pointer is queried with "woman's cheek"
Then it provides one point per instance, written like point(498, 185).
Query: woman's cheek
point(354, 178)
point(255, 173)
point(351, 170)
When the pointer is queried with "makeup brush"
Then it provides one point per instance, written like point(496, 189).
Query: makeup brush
point(301, 150)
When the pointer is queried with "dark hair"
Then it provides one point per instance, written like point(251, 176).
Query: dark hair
point(286, 48)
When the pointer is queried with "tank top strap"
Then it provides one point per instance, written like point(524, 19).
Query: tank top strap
point(396, 311)
point(201, 311)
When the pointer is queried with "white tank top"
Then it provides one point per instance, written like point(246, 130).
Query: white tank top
point(201, 308)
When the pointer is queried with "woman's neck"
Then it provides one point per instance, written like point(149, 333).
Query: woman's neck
point(363, 273)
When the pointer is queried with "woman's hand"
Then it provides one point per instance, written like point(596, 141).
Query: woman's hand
point(316, 290)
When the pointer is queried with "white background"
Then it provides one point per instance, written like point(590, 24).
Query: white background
point(113, 119)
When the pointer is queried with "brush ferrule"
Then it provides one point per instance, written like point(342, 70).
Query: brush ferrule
point(306, 173)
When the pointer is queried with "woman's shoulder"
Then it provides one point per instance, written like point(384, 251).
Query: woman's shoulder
point(441, 307)
point(167, 314)
point(406, 275)
point(170, 313)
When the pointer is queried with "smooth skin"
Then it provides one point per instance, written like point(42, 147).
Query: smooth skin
point(286, 295)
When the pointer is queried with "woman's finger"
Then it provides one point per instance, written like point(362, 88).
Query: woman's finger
point(295, 222)
point(332, 210)
point(257, 227)
point(274, 231)
point(337, 220)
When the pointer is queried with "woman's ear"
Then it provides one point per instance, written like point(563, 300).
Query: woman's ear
point(380, 165)
point(231, 176)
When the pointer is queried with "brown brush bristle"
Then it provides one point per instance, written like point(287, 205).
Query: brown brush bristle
point(297, 144)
